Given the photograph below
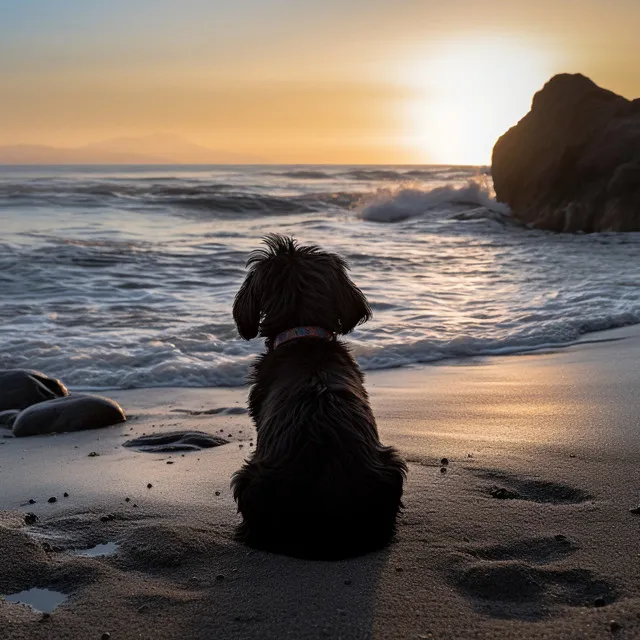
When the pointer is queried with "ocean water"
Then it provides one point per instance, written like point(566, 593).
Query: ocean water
point(121, 277)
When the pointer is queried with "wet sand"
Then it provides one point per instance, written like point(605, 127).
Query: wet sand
point(526, 533)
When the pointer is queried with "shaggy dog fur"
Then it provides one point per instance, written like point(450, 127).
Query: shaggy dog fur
point(319, 484)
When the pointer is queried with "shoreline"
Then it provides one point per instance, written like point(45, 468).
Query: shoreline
point(521, 536)
point(591, 337)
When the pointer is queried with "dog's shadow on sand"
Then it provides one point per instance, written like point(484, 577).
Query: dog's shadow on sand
point(284, 597)
point(212, 586)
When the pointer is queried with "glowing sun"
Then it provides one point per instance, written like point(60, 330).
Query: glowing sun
point(468, 92)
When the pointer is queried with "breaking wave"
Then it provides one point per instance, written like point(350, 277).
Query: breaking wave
point(399, 204)
point(126, 277)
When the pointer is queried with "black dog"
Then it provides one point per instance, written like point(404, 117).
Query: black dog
point(320, 484)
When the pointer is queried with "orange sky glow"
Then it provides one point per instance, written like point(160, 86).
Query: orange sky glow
point(302, 82)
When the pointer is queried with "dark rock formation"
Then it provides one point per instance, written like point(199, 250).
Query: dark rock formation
point(573, 162)
point(73, 413)
point(20, 388)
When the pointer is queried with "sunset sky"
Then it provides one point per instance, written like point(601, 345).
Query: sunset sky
point(302, 81)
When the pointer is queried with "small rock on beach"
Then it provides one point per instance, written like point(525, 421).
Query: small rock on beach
point(22, 388)
point(71, 413)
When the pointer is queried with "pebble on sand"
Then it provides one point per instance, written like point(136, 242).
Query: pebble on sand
point(93, 454)
point(65, 494)
point(52, 499)
point(444, 462)
point(217, 493)
point(32, 501)
point(149, 485)
point(30, 518)
point(635, 510)
point(599, 602)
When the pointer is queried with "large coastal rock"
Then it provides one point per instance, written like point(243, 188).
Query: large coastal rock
point(72, 413)
point(20, 388)
point(573, 162)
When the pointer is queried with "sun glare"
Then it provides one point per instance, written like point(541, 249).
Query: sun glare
point(468, 93)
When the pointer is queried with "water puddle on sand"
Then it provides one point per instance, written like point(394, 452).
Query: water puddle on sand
point(106, 549)
point(42, 600)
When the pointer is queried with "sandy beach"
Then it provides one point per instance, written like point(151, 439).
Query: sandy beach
point(523, 532)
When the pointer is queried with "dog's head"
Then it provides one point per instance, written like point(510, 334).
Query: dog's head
point(293, 286)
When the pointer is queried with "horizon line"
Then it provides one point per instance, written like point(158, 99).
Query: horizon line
point(246, 164)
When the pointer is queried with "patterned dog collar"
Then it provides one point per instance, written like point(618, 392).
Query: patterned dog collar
point(300, 332)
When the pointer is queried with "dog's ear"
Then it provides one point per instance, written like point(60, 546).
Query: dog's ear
point(246, 308)
point(350, 303)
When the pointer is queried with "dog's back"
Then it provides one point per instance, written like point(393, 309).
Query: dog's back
point(319, 485)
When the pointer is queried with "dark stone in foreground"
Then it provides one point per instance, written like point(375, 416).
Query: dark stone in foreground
point(175, 441)
point(73, 413)
point(21, 388)
point(573, 162)
point(8, 417)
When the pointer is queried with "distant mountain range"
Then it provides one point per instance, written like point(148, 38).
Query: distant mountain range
point(149, 149)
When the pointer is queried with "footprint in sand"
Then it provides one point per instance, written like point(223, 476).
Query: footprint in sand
point(175, 441)
point(225, 411)
point(506, 486)
point(534, 550)
point(513, 581)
